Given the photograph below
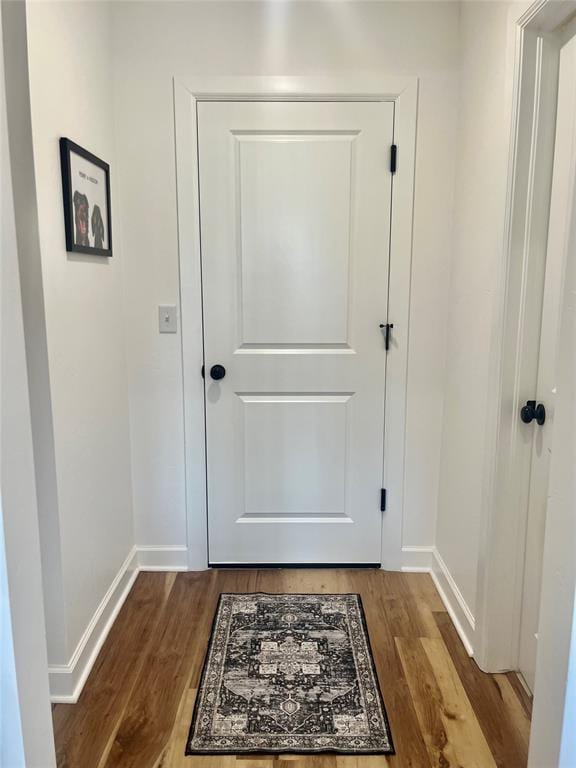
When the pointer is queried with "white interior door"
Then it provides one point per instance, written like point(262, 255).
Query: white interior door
point(295, 233)
point(562, 213)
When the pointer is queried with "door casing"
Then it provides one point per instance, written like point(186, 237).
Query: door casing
point(403, 91)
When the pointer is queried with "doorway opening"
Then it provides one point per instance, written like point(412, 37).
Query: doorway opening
point(281, 377)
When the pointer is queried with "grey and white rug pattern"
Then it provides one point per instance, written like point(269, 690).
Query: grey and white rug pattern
point(289, 673)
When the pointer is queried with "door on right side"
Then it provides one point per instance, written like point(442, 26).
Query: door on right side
point(561, 223)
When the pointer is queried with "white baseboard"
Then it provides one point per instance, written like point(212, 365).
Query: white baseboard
point(67, 680)
point(458, 610)
point(429, 560)
point(417, 559)
point(170, 558)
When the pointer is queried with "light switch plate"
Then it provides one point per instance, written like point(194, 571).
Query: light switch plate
point(167, 318)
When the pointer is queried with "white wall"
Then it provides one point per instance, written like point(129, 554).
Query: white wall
point(482, 156)
point(155, 41)
point(71, 84)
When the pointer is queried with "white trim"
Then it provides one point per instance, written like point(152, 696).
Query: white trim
point(367, 87)
point(429, 560)
point(417, 559)
point(400, 280)
point(507, 463)
point(454, 602)
point(171, 558)
point(67, 680)
point(191, 326)
point(404, 92)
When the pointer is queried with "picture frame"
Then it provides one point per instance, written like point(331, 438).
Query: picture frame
point(86, 198)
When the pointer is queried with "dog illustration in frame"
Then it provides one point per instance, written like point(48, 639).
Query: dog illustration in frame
point(86, 197)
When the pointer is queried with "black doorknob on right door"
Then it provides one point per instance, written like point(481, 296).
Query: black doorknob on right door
point(217, 372)
point(532, 411)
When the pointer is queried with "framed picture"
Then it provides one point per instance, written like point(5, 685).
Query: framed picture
point(86, 190)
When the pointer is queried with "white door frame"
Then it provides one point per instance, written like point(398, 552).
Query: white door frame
point(507, 463)
point(24, 661)
point(403, 91)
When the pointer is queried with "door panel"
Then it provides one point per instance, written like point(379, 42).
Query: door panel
point(295, 198)
point(293, 424)
point(295, 230)
point(561, 217)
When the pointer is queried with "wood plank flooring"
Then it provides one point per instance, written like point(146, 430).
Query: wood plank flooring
point(136, 707)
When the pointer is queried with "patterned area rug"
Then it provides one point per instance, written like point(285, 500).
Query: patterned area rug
point(289, 673)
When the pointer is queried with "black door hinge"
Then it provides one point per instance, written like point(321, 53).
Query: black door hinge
point(382, 499)
point(393, 153)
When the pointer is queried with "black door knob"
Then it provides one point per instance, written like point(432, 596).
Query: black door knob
point(217, 372)
point(540, 414)
point(531, 411)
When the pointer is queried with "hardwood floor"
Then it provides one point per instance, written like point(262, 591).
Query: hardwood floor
point(136, 707)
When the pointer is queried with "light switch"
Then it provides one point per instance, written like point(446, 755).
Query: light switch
point(167, 319)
